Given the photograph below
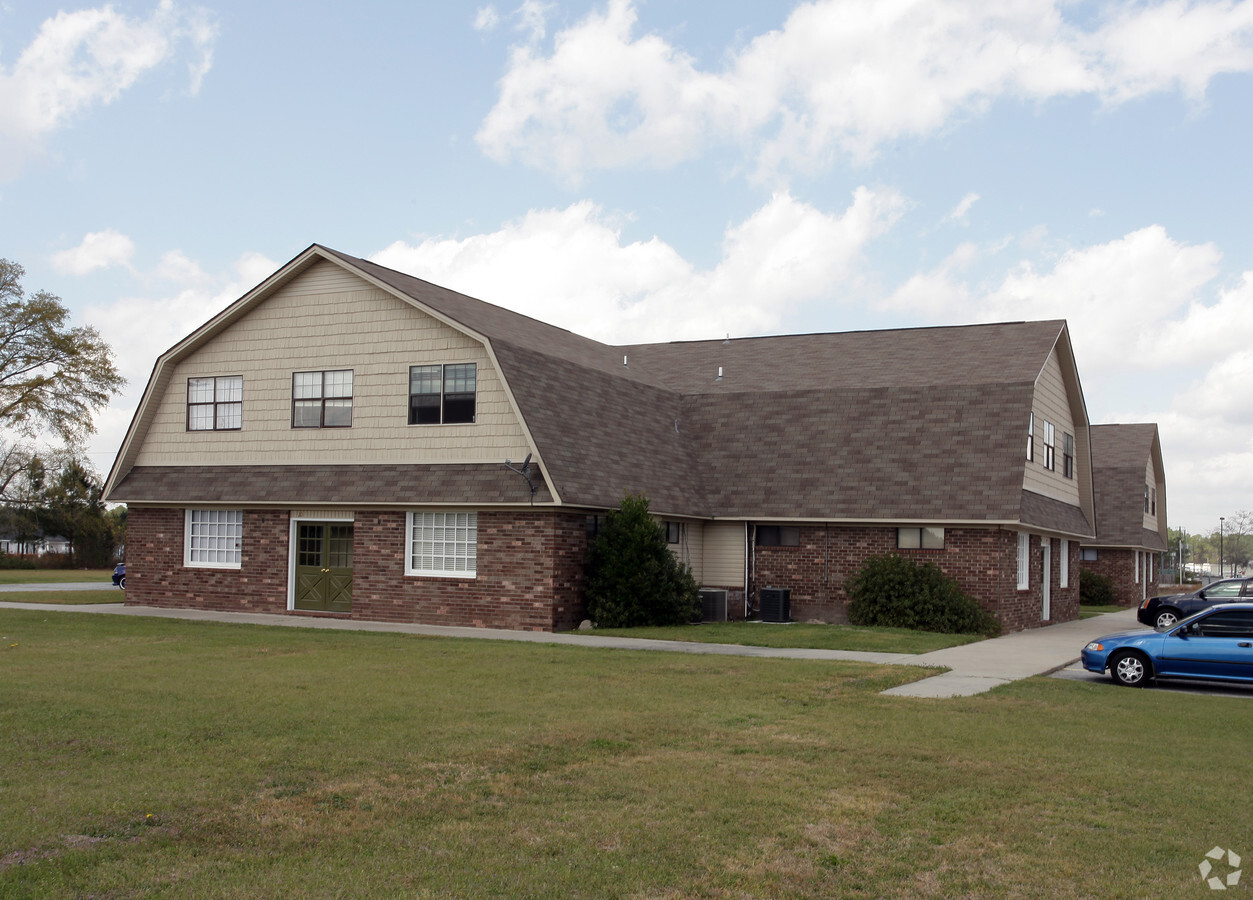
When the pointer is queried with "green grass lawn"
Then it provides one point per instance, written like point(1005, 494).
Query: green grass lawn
point(151, 757)
point(55, 576)
point(815, 637)
point(104, 595)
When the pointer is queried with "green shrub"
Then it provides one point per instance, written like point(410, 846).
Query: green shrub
point(633, 577)
point(895, 591)
point(15, 562)
point(1095, 589)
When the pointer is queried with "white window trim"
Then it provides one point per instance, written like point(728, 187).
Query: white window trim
point(1024, 561)
point(468, 573)
point(189, 563)
point(1063, 564)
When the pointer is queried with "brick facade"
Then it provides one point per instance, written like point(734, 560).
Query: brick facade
point(1119, 566)
point(530, 570)
point(983, 561)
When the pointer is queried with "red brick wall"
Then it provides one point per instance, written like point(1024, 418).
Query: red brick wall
point(156, 576)
point(529, 574)
point(530, 570)
point(983, 561)
point(1119, 567)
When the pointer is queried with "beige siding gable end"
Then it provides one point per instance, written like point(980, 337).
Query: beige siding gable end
point(326, 318)
point(1052, 404)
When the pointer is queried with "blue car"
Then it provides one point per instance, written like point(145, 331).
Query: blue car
point(1215, 644)
point(119, 576)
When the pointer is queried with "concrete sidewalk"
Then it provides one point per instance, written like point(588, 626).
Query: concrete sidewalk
point(974, 668)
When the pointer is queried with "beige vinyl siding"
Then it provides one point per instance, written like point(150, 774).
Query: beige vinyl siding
point(1052, 404)
point(723, 555)
point(691, 547)
point(355, 327)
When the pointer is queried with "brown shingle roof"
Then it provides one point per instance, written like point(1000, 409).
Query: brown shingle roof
point(915, 424)
point(1120, 457)
point(313, 485)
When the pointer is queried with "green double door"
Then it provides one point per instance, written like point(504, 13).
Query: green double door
point(324, 566)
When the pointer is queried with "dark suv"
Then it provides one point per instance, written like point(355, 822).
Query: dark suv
point(1163, 612)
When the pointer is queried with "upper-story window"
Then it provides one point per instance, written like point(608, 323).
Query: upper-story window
point(215, 404)
point(1050, 447)
point(1031, 437)
point(443, 394)
point(1068, 455)
point(1146, 499)
point(1153, 510)
point(321, 399)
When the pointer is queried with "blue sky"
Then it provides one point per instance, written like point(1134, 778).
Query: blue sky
point(649, 171)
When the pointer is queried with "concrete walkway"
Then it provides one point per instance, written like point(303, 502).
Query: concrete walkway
point(974, 668)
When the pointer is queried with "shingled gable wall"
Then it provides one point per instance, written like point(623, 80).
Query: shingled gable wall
point(984, 562)
point(530, 570)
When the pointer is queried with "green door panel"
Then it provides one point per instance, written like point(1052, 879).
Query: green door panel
point(323, 567)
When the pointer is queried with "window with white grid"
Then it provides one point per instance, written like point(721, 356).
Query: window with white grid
point(213, 538)
point(442, 543)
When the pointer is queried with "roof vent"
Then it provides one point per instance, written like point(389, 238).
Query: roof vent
point(624, 365)
point(719, 378)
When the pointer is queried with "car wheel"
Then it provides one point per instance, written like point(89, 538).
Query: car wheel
point(1129, 669)
point(121, 582)
point(1166, 618)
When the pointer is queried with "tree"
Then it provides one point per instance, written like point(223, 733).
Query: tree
point(633, 577)
point(52, 376)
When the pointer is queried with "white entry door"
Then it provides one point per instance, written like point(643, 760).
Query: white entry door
point(1046, 580)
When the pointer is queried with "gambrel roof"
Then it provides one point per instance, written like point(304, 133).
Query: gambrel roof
point(922, 425)
point(1122, 455)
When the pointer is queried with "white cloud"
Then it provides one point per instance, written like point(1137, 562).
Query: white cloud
point(840, 76)
point(1141, 293)
point(570, 267)
point(89, 57)
point(486, 19)
point(961, 212)
point(98, 250)
point(532, 18)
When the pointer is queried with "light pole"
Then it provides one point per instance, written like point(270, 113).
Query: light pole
point(1220, 545)
point(1181, 534)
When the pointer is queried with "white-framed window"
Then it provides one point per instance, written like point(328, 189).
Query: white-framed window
point(1063, 568)
point(1050, 446)
point(213, 538)
point(322, 399)
point(920, 538)
point(442, 544)
point(1024, 560)
point(1088, 554)
point(215, 403)
point(1030, 437)
point(443, 394)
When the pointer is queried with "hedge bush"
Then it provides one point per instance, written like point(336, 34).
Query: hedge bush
point(1095, 589)
point(633, 578)
point(895, 591)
